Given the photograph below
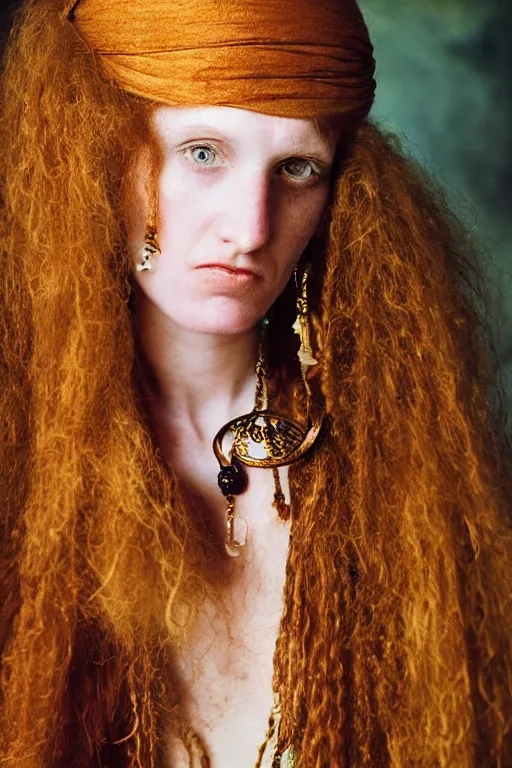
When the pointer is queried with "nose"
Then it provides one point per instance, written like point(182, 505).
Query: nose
point(246, 212)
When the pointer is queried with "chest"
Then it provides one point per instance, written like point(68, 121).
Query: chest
point(225, 669)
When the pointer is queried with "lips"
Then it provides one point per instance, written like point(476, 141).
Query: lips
point(228, 268)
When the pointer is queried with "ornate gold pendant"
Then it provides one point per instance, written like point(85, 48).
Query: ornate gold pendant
point(259, 439)
point(265, 439)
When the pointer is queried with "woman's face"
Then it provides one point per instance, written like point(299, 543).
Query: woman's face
point(240, 194)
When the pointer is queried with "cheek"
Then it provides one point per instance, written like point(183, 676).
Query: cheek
point(319, 207)
point(184, 212)
point(176, 214)
point(302, 219)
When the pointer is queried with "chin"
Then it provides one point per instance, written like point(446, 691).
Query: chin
point(221, 327)
point(225, 319)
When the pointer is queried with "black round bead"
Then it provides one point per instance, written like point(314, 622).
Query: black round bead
point(232, 479)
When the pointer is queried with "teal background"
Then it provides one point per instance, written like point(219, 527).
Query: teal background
point(444, 83)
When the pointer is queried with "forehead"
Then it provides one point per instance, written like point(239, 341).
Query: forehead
point(239, 124)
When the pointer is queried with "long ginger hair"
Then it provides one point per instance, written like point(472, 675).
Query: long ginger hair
point(395, 642)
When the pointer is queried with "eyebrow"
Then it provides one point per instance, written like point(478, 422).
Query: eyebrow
point(316, 145)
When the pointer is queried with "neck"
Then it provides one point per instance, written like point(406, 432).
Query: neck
point(198, 381)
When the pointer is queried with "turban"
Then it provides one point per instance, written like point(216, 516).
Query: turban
point(291, 58)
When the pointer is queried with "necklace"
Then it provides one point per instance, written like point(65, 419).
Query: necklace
point(260, 438)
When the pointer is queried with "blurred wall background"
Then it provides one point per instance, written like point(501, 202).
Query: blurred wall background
point(444, 74)
point(444, 83)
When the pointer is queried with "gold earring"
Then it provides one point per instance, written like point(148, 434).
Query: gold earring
point(301, 325)
point(150, 249)
point(151, 246)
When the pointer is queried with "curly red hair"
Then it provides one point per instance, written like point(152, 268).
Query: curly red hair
point(395, 642)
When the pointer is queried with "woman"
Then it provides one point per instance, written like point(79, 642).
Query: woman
point(329, 585)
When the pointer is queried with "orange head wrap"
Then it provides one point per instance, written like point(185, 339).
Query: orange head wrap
point(293, 58)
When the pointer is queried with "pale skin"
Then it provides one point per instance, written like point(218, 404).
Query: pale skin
point(246, 191)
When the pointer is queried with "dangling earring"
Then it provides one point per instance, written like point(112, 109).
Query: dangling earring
point(151, 246)
point(150, 249)
point(301, 325)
